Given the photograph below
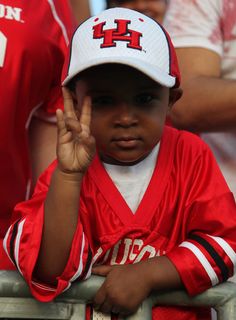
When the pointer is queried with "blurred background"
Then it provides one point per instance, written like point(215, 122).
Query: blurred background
point(96, 6)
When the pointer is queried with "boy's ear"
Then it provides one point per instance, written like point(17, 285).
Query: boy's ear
point(175, 95)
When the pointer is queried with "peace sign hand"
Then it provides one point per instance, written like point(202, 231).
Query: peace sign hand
point(75, 145)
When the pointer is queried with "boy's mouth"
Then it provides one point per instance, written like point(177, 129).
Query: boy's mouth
point(126, 141)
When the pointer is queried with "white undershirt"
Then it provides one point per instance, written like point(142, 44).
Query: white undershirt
point(132, 181)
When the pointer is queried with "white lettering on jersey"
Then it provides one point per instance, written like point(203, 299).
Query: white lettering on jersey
point(147, 249)
point(137, 245)
point(130, 250)
point(128, 243)
point(10, 13)
point(3, 47)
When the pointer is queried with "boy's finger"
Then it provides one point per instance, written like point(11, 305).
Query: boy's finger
point(101, 270)
point(99, 298)
point(68, 103)
point(61, 125)
point(85, 118)
point(73, 125)
point(106, 307)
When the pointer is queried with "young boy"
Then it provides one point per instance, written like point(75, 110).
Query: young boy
point(143, 204)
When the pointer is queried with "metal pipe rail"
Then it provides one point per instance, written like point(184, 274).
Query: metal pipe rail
point(17, 302)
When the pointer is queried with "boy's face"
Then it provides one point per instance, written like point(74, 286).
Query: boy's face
point(128, 111)
point(153, 8)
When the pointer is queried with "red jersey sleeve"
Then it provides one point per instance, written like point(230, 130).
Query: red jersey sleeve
point(24, 236)
point(207, 256)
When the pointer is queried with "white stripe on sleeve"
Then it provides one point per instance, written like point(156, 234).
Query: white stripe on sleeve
point(80, 268)
point(17, 243)
point(97, 255)
point(41, 286)
point(227, 248)
point(203, 260)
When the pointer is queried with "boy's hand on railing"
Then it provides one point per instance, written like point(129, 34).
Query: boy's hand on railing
point(125, 288)
point(75, 144)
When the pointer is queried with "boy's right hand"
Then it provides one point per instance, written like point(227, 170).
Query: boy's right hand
point(75, 145)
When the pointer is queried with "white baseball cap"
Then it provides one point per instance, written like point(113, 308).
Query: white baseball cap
point(126, 37)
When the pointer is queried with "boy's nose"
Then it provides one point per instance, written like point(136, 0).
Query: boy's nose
point(126, 116)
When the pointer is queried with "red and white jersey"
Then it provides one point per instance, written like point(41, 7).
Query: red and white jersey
point(187, 213)
point(33, 42)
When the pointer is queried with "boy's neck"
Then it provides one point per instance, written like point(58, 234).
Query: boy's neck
point(112, 161)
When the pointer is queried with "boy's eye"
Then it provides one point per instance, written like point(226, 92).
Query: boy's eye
point(103, 100)
point(144, 98)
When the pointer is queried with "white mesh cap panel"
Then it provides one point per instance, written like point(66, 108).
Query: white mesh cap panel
point(122, 29)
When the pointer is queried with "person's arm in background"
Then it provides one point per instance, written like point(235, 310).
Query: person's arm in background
point(42, 134)
point(81, 9)
point(42, 139)
point(208, 102)
point(199, 31)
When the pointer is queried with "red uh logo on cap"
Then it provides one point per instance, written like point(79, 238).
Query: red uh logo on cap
point(121, 33)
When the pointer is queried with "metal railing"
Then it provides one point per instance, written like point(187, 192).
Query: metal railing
point(17, 302)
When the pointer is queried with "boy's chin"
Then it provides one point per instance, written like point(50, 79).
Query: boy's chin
point(123, 162)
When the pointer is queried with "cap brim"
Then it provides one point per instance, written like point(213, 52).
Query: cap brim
point(149, 70)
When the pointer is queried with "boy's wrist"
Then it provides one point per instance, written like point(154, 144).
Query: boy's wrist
point(69, 176)
point(162, 274)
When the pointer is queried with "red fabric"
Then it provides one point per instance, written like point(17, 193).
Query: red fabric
point(187, 196)
point(29, 78)
point(6, 264)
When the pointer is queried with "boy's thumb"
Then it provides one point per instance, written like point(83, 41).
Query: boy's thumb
point(101, 270)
